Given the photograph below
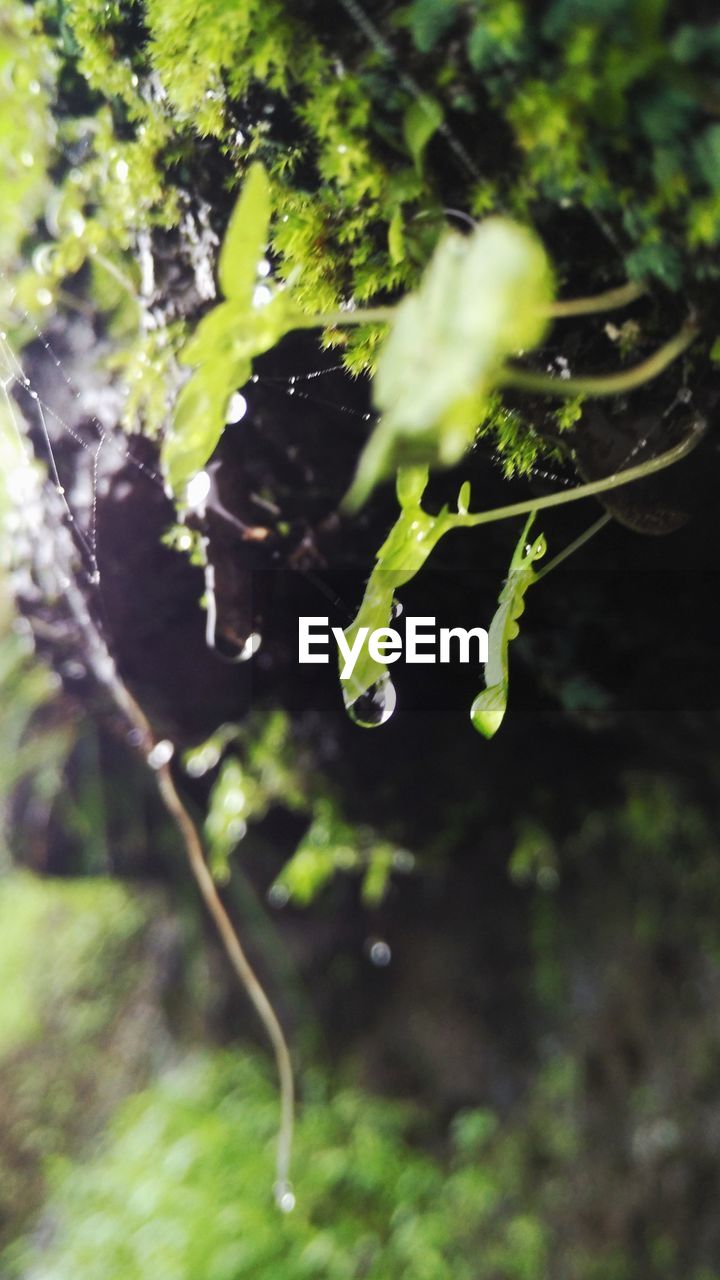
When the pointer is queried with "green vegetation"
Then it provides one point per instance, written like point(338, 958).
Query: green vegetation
point(495, 212)
point(72, 1042)
point(182, 1188)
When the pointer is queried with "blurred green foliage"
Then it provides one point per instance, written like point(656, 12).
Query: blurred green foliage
point(80, 1020)
point(271, 770)
point(183, 1190)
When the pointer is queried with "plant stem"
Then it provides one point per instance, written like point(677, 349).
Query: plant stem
point(609, 384)
point(607, 301)
point(106, 672)
point(575, 546)
point(615, 481)
point(337, 319)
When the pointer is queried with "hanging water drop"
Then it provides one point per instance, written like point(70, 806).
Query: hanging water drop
point(375, 706)
point(278, 895)
point(378, 952)
point(284, 1197)
point(197, 491)
point(250, 647)
point(237, 408)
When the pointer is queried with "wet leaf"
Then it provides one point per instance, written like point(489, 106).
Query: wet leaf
point(489, 707)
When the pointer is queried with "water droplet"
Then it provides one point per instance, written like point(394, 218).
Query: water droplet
point(262, 295)
point(44, 297)
point(250, 647)
point(237, 408)
point(403, 860)
point(236, 829)
point(396, 610)
point(263, 267)
point(27, 159)
point(378, 952)
point(122, 169)
point(73, 670)
point(198, 764)
point(278, 895)
point(134, 737)
point(375, 706)
point(284, 1197)
point(161, 754)
point(196, 492)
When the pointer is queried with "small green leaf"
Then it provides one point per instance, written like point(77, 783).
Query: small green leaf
point(422, 119)
point(246, 237)
point(396, 239)
point(429, 20)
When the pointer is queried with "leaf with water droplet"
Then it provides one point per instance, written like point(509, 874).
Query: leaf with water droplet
point(223, 348)
point(488, 709)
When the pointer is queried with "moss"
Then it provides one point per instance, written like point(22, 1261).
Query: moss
point(605, 109)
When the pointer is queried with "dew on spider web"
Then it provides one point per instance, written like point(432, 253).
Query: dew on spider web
point(42, 402)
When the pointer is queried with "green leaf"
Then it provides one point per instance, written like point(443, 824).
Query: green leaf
point(488, 709)
point(223, 347)
point(396, 239)
point(482, 298)
point(422, 119)
point(429, 20)
point(246, 237)
point(198, 424)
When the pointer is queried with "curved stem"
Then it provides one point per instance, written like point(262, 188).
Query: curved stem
point(615, 481)
point(107, 674)
point(607, 301)
point(609, 384)
point(116, 274)
point(610, 300)
point(575, 545)
point(242, 967)
point(366, 315)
